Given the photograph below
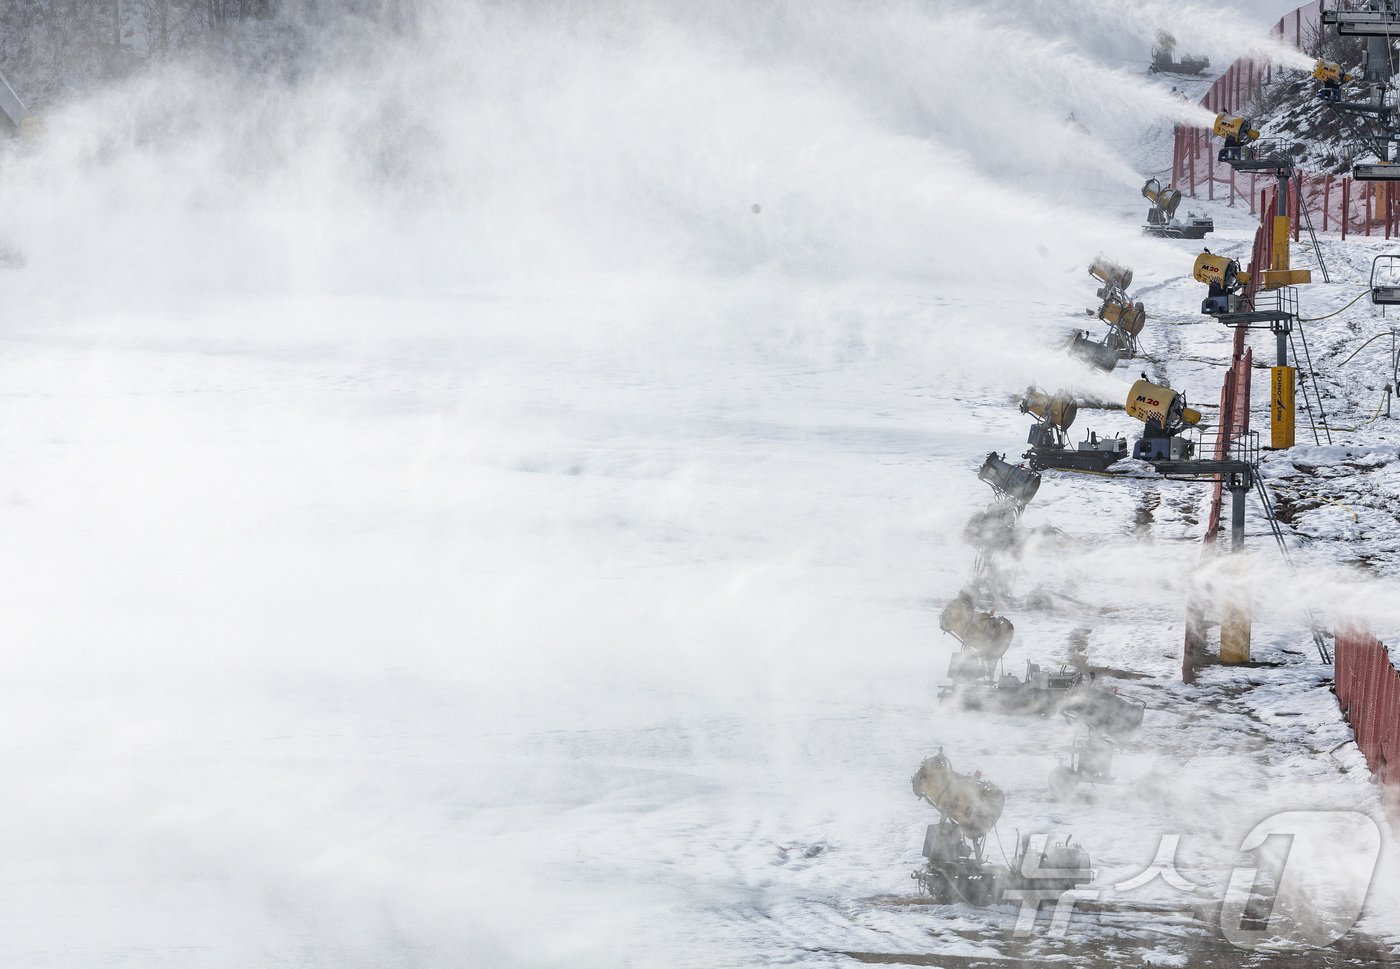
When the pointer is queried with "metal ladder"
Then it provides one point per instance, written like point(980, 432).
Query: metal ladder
point(1320, 418)
point(1312, 235)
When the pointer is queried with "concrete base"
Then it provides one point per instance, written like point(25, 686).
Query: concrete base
point(1235, 629)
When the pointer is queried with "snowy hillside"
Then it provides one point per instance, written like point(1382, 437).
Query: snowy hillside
point(485, 497)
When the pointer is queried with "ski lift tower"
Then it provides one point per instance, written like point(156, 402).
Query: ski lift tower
point(1277, 305)
point(1363, 18)
point(1378, 21)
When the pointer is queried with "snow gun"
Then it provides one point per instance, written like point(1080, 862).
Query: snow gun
point(1164, 200)
point(1008, 481)
point(1129, 317)
point(1111, 274)
point(971, 803)
point(1056, 410)
point(986, 635)
point(1166, 415)
point(1235, 129)
point(1329, 74)
point(1225, 281)
point(1150, 402)
point(1238, 134)
point(1053, 413)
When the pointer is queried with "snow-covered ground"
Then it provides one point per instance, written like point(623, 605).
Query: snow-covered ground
point(508, 527)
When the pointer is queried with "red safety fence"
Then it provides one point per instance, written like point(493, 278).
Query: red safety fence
point(1336, 203)
point(1244, 79)
point(1368, 690)
point(1234, 391)
point(1234, 424)
point(1261, 254)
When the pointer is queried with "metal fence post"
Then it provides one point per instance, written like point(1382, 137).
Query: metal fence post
point(1191, 158)
point(1346, 205)
point(1297, 209)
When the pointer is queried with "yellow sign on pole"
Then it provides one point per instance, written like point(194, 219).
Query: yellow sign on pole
point(1281, 407)
point(1282, 230)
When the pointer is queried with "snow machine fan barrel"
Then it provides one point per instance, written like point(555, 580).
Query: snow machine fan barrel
point(973, 804)
point(1235, 129)
point(1128, 317)
point(1153, 402)
point(1219, 273)
point(1166, 199)
point(986, 634)
point(1015, 483)
point(1329, 73)
point(1058, 411)
point(1110, 273)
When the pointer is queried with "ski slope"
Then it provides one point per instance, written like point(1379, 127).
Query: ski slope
point(487, 499)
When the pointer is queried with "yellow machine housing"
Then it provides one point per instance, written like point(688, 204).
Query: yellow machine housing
point(1234, 128)
point(1110, 273)
point(1329, 72)
point(1055, 410)
point(1278, 274)
point(1282, 402)
point(1129, 317)
point(973, 804)
point(1148, 401)
point(1219, 271)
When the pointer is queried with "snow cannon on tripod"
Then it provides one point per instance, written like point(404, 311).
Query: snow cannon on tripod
point(968, 809)
point(1225, 283)
point(1010, 482)
point(1111, 274)
point(957, 869)
point(1166, 416)
point(1238, 132)
point(1125, 321)
point(1049, 444)
point(985, 638)
point(1165, 201)
point(1053, 413)
point(1103, 354)
point(971, 803)
point(1161, 217)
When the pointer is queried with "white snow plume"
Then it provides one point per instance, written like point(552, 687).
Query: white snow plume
point(1280, 596)
point(981, 83)
point(673, 155)
point(1130, 29)
point(1336, 594)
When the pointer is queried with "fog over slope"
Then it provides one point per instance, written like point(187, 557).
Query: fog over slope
point(476, 486)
